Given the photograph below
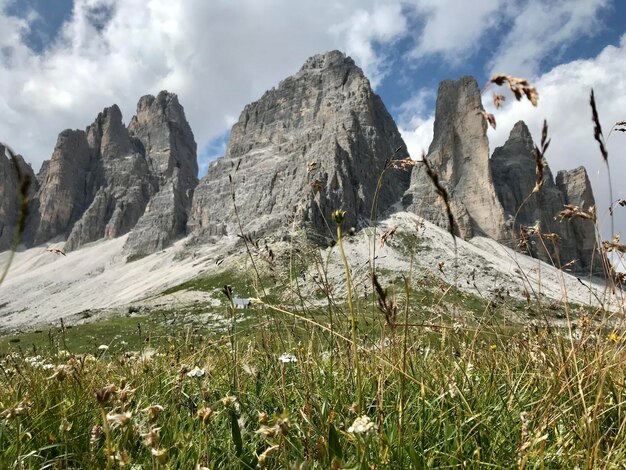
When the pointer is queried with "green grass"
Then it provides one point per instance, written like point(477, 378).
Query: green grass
point(465, 402)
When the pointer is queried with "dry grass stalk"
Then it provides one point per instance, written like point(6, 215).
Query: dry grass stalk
point(539, 155)
point(597, 128)
point(490, 118)
point(387, 306)
point(614, 245)
point(441, 191)
point(498, 99)
point(317, 186)
point(572, 212)
point(518, 86)
point(388, 235)
point(403, 164)
point(56, 251)
point(534, 230)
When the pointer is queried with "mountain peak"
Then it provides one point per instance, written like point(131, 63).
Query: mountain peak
point(326, 60)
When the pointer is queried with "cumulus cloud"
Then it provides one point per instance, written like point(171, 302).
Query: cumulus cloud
point(541, 29)
point(453, 28)
point(564, 103)
point(217, 56)
point(415, 122)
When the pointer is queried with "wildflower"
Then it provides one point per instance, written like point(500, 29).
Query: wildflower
point(60, 372)
point(153, 411)
point(119, 419)
point(286, 358)
point(104, 394)
point(122, 458)
point(283, 425)
point(96, 432)
point(362, 425)
point(453, 390)
point(263, 418)
point(65, 426)
point(263, 457)
point(151, 438)
point(204, 414)
point(493, 347)
point(16, 410)
point(48, 366)
point(160, 455)
point(103, 347)
point(126, 394)
point(228, 401)
point(196, 372)
point(613, 337)
point(249, 369)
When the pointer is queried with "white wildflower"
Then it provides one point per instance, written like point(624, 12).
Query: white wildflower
point(362, 425)
point(196, 372)
point(286, 358)
point(103, 347)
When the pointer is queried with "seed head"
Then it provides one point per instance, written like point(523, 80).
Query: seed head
point(338, 216)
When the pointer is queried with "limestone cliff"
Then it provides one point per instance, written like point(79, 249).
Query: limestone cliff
point(316, 143)
point(513, 171)
point(459, 154)
point(13, 172)
point(111, 179)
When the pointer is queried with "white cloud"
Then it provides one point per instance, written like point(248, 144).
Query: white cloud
point(453, 28)
point(415, 122)
point(217, 56)
point(383, 25)
point(564, 103)
point(543, 28)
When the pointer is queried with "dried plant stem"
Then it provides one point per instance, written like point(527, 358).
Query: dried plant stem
point(597, 134)
point(25, 183)
point(355, 347)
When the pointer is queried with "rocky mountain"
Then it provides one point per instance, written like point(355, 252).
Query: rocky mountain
point(11, 194)
point(110, 179)
point(576, 189)
point(459, 155)
point(316, 143)
point(170, 150)
point(513, 173)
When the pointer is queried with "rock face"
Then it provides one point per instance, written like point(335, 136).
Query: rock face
point(513, 173)
point(170, 150)
point(459, 154)
point(576, 189)
point(110, 179)
point(316, 143)
point(11, 194)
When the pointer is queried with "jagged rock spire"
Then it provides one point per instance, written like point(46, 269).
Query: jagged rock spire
point(316, 143)
point(459, 154)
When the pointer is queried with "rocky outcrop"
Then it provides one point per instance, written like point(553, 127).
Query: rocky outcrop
point(123, 186)
point(13, 173)
point(576, 189)
point(317, 143)
point(459, 154)
point(110, 179)
point(513, 172)
point(170, 150)
point(67, 183)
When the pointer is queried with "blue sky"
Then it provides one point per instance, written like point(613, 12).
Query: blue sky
point(62, 61)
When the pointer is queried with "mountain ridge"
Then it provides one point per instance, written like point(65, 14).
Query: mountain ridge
point(317, 142)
